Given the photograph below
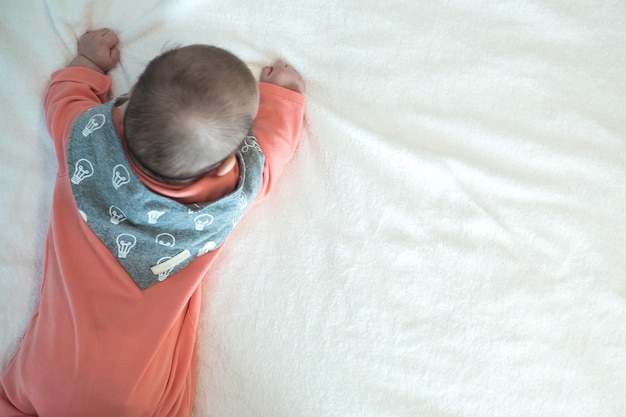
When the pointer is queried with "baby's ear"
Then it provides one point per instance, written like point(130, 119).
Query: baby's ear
point(226, 166)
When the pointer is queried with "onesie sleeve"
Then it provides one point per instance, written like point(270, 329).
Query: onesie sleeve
point(278, 128)
point(71, 92)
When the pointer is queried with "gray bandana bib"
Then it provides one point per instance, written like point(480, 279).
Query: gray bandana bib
point(151, 236)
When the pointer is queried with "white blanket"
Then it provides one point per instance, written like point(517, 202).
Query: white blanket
point(450, 239)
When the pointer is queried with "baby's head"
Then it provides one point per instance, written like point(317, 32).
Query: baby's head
point(189, 112)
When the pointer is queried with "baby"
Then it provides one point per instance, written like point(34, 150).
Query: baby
point(144, 199)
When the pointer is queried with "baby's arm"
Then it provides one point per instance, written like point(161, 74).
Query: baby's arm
point(82, 84)
point(278, 125)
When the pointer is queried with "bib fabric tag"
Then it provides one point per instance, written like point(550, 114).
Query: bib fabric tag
point(162, 268)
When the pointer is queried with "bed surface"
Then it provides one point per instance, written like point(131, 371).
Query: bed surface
point(449, 239)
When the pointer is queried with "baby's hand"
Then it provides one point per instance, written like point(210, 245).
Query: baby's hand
point(97, 50)
point(283, 75)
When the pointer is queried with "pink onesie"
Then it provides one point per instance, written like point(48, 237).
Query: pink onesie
point(98, 345)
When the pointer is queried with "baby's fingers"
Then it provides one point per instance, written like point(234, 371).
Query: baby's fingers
point(109, 37)
point(266, 72)
point(115, 55)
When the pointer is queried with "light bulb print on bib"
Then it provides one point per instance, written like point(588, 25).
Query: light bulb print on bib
point(83, 169)
point(121, 176)
point(95, 123)
point(116, 215)
point(125, 242)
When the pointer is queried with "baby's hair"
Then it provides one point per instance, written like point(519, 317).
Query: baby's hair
point(191, 108)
